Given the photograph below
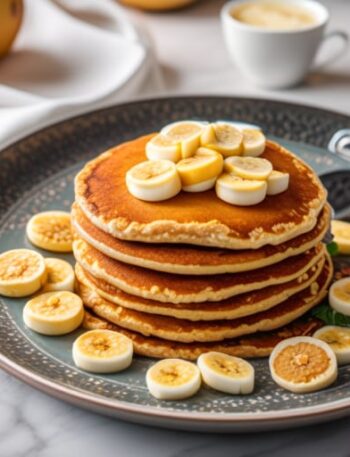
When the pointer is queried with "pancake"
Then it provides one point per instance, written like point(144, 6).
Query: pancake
point(186, 259)
point(231, 308)
point(259, 345)
point(187, 331)
point(166, 287)
point(197, 218)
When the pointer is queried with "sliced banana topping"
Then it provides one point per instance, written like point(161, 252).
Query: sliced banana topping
point(341, 232)
point(51, 230)
point(249, 167)
point(338, 339)
point(339, 296)
point(60, 275)
point(277, 182)
point(102, 351)
point(198, 173)
point(187, 134)
point(22, 272)
point(238, 191)
point(226, 373)
point(223, 138)
point(162, 147)
point(54, 313)
point(173, 379)
point(153, 180)
point(254, 142)
point(303, 364)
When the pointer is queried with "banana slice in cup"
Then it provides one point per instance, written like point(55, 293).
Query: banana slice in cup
point(254, 142)
point(51, 230)
point(338, 339)
point(60, 275)
point(22, 272)
point(238, 191)
point(102, 351)
point(153, 181)
point(253, 168)
point(54, 313)
point(173, 379)
point(199, 173)
point(223, 138)
point(341, 232)
point(277, 182)
point(303, 364)
point(161, 147)
point(339, 296)
point(186, 133)
point(226, 373)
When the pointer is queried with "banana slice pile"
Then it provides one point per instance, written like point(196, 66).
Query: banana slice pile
point(303, 364)
point(189, 156)
point(339, 296)
point(338, 339)
point(51, 230)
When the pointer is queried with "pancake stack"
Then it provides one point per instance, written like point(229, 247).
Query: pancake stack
point(193, 273)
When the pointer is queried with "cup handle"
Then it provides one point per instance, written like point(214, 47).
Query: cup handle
point(340, 35)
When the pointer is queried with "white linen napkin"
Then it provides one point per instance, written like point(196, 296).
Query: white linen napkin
point(69, 57)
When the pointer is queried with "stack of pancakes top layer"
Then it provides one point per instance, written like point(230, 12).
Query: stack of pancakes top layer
point(193, 273)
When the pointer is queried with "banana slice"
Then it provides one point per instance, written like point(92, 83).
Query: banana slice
point(22, 272)
point(339, 340)
point(161, 147)
point(173, 379)
point(254, 142)
point(198, 173)
point(303, 364)
point(223, 138)
point(226, 373)
point(153, 181)
point(277, 182)
point(339, 296)
point(102, 351)
point(187, 134)
point(341, 232)
point(238, 191)
point(249, 167)
point(60, 275)
point(51, 230)
point(54, 313)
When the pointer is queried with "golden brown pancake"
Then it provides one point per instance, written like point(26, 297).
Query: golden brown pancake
point(187, 331)
point(197, 218)
point(231, 308)
point(197, 260)
point(258, 345)
point(166, 287)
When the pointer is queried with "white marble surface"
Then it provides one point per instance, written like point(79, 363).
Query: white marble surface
point(193, 60)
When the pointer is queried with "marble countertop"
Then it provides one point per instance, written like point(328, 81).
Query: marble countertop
point(192, 60)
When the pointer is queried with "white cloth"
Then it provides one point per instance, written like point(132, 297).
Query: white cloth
point(69, 57)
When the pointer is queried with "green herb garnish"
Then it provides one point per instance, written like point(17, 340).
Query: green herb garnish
point(332, 248)
point(329, 316)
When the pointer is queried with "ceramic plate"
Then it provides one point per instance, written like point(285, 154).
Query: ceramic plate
point(37, 174)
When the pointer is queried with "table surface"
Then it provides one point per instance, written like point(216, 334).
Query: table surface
point(193, 60)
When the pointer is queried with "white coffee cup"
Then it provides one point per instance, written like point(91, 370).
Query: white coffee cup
point(278, 58)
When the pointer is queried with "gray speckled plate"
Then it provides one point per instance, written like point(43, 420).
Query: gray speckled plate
point(37, 174)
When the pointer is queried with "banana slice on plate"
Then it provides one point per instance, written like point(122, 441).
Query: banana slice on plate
point(223, 138)
point(277, 182)
point(60, 275)
point(338, 339)
point(153, 180)
point(173, 379)
point(51, 230)
point(254, 142)
point(199, 173)
point(187, 134)
point(238, 191)
point(22, 272)
point(161, 147)
point(226, 373)
point(339, 296)
point(341, 232)
point(303, 364)
point(54, 313)
point(249, 167)
point(102, 351)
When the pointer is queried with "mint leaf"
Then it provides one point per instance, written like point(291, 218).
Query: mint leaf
point(332, 248)
point(329, 316)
